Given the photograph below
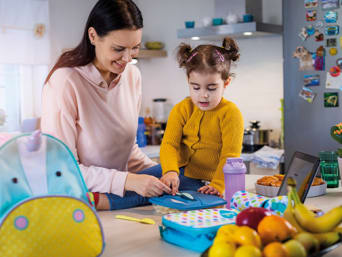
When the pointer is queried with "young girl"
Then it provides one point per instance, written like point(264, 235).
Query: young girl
point(204, 129)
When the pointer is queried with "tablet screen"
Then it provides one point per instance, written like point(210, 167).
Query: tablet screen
point(303, 169)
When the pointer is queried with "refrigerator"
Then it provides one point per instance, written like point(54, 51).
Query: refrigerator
point(310, 107)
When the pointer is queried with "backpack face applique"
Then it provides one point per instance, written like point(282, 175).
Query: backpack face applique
point(44, 206)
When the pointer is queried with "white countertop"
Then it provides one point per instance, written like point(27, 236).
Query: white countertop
point(132, 239)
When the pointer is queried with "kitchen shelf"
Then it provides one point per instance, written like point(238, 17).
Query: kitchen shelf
point(145, 53)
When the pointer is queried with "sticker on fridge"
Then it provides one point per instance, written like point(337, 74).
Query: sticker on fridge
point(311, 80)
point(306, 62)
point(333, 82)
point(319, 58)
point(331, 99)
point(329, 4)
point(311, 15)
point(310, 3)
point(307, 94)
point(330, 17)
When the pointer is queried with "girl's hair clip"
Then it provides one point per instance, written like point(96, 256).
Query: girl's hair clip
point(191, 56)
point(219, 55)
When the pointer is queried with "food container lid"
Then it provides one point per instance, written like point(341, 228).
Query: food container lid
point(234, 166)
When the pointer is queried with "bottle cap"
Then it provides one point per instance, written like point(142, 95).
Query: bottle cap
point(234, 166)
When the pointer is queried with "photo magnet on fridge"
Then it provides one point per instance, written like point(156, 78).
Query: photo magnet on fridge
point(311, 15)
point(318, 36)
point(319, 58)
point(307, 94)
point(334, 82)
point(331, 99)
point(306, 62)
point(330, 17)
point(331, 42)
point(311, 80)
point(310, 3)
point(329, 4)
point(332, 30)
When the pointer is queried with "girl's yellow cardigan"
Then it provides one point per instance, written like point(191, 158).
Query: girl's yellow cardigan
point(201, 141)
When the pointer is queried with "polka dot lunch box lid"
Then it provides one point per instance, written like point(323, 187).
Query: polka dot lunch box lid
point(200, 221)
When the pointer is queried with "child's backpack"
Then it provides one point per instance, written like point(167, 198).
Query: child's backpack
point(45, 207)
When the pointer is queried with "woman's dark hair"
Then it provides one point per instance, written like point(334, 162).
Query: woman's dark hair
point(209, 57)
point(106, 16)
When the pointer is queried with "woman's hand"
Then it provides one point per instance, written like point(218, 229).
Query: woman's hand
point(171, 179)
point(209, 190)
point(145, 185)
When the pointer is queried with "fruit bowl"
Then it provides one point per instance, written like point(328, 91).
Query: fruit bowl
point(318, 254)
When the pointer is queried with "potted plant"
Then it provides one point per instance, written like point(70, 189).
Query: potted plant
point(336, 133)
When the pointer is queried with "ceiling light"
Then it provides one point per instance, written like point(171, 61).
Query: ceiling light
point(195, 38)
point(247, 33)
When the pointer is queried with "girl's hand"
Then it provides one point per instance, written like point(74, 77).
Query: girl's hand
point(146, 185)
point(171, 179)
point(209, 190)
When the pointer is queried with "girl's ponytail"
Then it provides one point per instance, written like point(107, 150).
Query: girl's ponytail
point(183, 54)
point(232, 49)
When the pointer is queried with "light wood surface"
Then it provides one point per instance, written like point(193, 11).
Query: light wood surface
point(132, 239)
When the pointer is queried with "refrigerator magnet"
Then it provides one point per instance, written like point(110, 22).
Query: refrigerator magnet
point(330, 17)
point(329, 4)
point(333, 51)
point(332, 30)
point(310, 3)
point(335, 71)
point(310, 30)
point(307, 94)
point(339, 62)
point(318, 36)
point(311, 15)
point(331, 42)
point(319, 58)
point(305, 58)
point(303, 34)
point(311, 80)
point(333, 82)
point(319, 24)
point(331, 99)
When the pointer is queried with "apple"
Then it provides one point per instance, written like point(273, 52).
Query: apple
point(251, 217)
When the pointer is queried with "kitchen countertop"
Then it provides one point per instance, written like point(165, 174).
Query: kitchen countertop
point(132, 239)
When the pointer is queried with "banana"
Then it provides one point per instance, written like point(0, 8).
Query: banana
point(307, 220)
point(326, 239)
point(289, 215)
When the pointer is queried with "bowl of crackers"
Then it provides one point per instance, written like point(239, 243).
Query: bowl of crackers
point(270, 185)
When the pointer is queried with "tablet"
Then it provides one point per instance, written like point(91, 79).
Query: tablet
point(303, 168)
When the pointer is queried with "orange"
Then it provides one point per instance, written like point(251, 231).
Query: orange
point(275, 249)
point(275, 228)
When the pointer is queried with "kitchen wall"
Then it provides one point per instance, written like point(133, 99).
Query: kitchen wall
point(257, 87)
point(258, 84)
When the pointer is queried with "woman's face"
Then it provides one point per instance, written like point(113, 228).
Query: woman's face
point(206, 89)
point(116, 49)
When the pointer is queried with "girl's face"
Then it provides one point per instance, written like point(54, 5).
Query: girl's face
point(116, 49)
point(206, 89)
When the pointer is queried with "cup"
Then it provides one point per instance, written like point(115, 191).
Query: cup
point(189, 24)
point(234, 177)
point(330, 173)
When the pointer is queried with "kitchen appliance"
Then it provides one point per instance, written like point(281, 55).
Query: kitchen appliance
point(255, 138)
point(307, 125)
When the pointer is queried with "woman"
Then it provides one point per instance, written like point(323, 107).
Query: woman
point(91, 102)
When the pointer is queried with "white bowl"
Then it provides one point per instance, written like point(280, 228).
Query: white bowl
point(271, 191)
